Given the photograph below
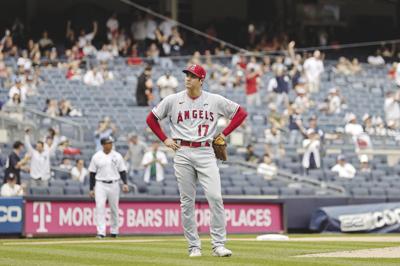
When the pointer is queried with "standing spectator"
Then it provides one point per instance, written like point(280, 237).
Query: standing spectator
point(167, 25)
point(175, 42)
point(334, 101)
point(84, 38)
point(267, 168)
point(273, 140)
point(313, 68)
point(302, 101)
point(352, 127)
point(167, 85)
point(343, 168)
point(14, 164)
point(252, 95)
point(40, 159)
point(45, 42)
point(112, 25)
point(136, 151)
point(104, 129)
point(144, 87)
point(70, 37)
point(392, 108)
point(138, 30)
point(154, 162)
point(295, 125)
point(79, 172)
point(11, 188)
point(311, 156)
point(279, 86)
point(151, 27)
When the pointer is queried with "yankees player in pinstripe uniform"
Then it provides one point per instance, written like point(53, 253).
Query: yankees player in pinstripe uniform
point(193, 115)
point(106, 168)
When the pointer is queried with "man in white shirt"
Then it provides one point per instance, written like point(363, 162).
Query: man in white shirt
point(334, 101)
point(344, 169)
point(352, 128)
point(40, 159)
point(167, 25)
point(87, 38)
point(112, 26)
point(313, 68)
point(93, 78)
point(19, 89)
point(267, 168)
point(106, 168)
point(11, 188)
point(392, 108)
point(151, 27)
point(136, 151)
point(154, 162)
point(167, 85)
point(79, 172)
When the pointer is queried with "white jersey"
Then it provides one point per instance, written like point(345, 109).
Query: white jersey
point(107, 166)
point(194, 119)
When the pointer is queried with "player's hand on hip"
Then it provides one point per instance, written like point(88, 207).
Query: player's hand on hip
point(91, 194)
point(170, 143)
point(125, 188)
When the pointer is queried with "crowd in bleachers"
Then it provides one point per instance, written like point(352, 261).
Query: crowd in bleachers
point(299, 104)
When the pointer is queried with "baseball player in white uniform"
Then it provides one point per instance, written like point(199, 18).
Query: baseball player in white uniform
point(193, 115)
point(106, 168)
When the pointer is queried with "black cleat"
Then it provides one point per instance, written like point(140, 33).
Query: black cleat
point(114, 235)
point(99, 236)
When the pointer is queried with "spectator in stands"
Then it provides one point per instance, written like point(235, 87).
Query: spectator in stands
point(295, 125)
point(93, 77)
point(367, 124)
point(136, 151)
point(14, 102)
point(151, 26)
point(154, 162)
point(18, 88)
point(392, 107)
point(311, 156)
point(334, 101)
point(104, 129)
point(168, 25)
point(343, 168)
point(79, 172)
point(252, 94)
point(138, 30)
point(267, 168)
point(275, 118)
point(250, 156)
point(14, 164)
point(274, 142)
point(144, 87)
point(45, 43)
point(364, 165)
point(279, 86)
point(11, 188)
point(313, 124)
point(313, 68)
point(73, 72)
point(66, 164)
point(302, 102)
point(112, 25)
point(343, 66)
point(84, 38)
point(352, 127)
point(40, 159)
point(104, 54)
point(70, 38)
point(51, 108)
point(377, 59)
point(153, 54)
point(175, 42)
point(355, 66)
point(167, 84)
point(105, 72)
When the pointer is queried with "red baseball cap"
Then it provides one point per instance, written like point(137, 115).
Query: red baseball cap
point(196, 70)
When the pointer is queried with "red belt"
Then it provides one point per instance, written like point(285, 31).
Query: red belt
point(192, 144)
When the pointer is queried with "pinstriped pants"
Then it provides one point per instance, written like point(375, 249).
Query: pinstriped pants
point(199, 164)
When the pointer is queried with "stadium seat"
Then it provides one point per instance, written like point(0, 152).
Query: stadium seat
point(270, 191)
point(154, 190)
point(170, 191)
point(233, 191)
point(252, 191)
point(72, 190)
point(39, 191)
point(56, 190)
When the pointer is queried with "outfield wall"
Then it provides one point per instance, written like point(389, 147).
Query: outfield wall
point(45, 216)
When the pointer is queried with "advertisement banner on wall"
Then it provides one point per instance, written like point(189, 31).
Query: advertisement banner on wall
point(11, 215)
point(369, 218)
point(69, 218)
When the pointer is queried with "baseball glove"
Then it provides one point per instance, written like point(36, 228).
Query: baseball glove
point(219, 146)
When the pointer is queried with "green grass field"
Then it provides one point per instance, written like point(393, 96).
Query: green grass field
point(171, 250)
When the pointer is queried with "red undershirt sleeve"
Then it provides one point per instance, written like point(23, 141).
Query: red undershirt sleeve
point(237, 119)
point(153, 124)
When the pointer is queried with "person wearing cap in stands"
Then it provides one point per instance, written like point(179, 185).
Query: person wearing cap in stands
point(343, 168)
point(106, 168)
point(311, 156)
point(364, 165)
point(167, 84)
point(11, 188)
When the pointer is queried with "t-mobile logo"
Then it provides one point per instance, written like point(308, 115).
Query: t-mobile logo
point(41, 215)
